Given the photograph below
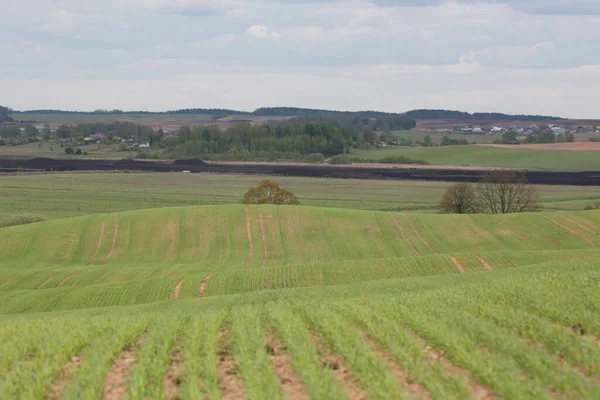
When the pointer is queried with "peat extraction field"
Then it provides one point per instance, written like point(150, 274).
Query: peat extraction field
point(261, 302)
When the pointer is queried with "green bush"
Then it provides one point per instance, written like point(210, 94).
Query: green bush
point(20, 220)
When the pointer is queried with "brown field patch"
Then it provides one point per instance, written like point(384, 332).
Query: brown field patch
point(408, 384)
point(343, 375)
point(115, 382)
point(41, 285)
point(484, 263)
point(177, 289)
point(457, 264)
point(585, 228)
point(175, 371)
point(280, 365)
point(404, 234)
point(67, 278)
point(114, 241)
point(573, 232)
point(60, 383)
point(202, 290)
point(228, 380)
point(99, 243)
point(414, 228)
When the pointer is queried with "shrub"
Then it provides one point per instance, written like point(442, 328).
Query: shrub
point(20, 220)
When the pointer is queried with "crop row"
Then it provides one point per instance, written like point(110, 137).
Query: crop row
point(509, 338)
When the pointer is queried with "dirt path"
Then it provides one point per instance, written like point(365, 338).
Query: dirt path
point(67, 278)
point(484, 263)
point(114, 241)
point(404, 234)
point(414, 228)
point(264, 238)
point(115, 382)
point(41, 285)
point(230, 385)
point(172, 379)
point(203, 286)
point(177, 289)
point(408, 384)
point(99, 243)
point(457, 264)
point(248, 229)
point(60, 383)
point(585, 228)
point(281, 368)
point(343, 375)
point(579, 235)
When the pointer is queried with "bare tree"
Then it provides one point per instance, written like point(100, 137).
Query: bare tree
point(505, 191)
point(269, 192)
point(460, 198)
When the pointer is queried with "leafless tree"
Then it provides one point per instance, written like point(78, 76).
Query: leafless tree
point(460, 198)
point(506, 191)
point(269, 192)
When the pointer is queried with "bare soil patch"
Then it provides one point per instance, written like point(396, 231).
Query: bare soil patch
point(434, 355)
point(585, 228)
point(249, 231)
point(99, 243)
point(574, 146)
point(457, 264)
point(177, 289)
point(114, 241)
point(573, 232)
point(264, 238)
point(203, 286)
point(58, 386)
point(172, 379)
point(228, 380)
point(402, 377)
point(414, 228)
point(115, 383)
point(41, 285)
point(280, 365)
point(67, 278)
point(343, 375)
point(404, 234)
point(484, 263)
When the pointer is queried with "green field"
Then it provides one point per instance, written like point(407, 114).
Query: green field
point(494, 157)
point(300, 302)
point(58, 194)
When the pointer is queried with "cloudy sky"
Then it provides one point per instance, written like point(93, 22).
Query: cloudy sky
point(515, 56)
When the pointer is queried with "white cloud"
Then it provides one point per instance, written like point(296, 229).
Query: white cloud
point(261, 32)
point(468, 54)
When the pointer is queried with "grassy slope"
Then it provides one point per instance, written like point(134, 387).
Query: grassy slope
point(496, 157)
point(107, 118)
point(66, 194)
point(504, 334)
point(297, 246)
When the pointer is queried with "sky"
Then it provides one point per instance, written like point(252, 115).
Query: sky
point(513, 56)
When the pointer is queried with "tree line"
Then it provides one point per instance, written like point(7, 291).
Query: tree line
point(5, 114)
point(461, 115)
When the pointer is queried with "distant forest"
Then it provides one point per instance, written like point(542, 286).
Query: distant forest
point(4, 114)
point(309, 113)
point(448, 114)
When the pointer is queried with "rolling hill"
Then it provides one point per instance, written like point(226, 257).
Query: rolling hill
point(300, 302)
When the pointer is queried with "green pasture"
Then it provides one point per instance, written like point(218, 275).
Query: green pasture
point(555, 160)
point(108, 117)
point(58, 194)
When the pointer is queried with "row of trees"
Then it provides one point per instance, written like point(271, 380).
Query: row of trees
point(501, 192)
point(294, 137)
point(5, 114)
